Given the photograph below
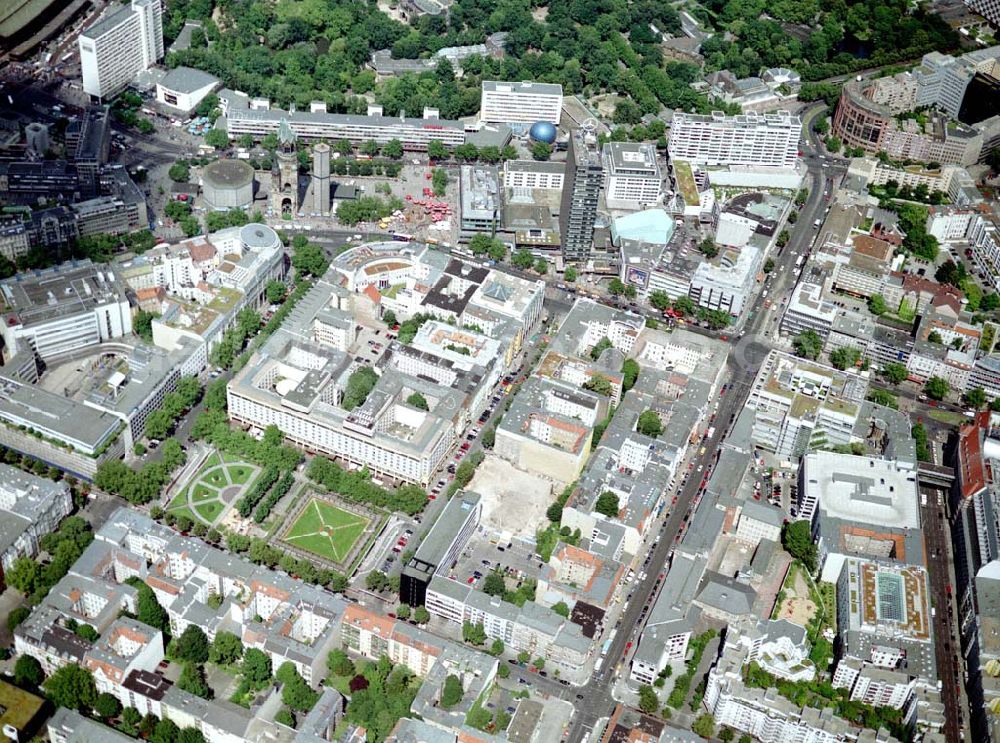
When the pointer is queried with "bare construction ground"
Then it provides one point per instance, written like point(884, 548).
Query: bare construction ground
point(514, 502)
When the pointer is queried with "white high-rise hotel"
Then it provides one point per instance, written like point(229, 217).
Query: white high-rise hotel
point(768, 140)
point(524, 103)
point(121, 45)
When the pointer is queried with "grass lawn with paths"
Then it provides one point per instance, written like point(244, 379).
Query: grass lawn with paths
point(326, 530)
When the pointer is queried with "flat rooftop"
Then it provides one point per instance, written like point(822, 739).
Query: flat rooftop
point(526, 88)
point(435, 545)
point(863, 489)
point(34, 297)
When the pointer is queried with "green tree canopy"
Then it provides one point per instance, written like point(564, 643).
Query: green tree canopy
point(359, 384)
point(474, 634)
point(541, 150)
point(842, 358)
point(648, 701)
point(494, 584)
point(599, 384)
point(217, 138)
point(451, 692)
point(600, 347)
point(339, 663)
point(180, 172)
point(630, 374)
point(192, 680)
point(649, 424)
point(876, 304)
point(522, 259)
point(72, 687)
point(937, 388)
point(28, 672)
point(893, 372)
point(107, 705)
point(659, 299)
point(418, 401)
point(227, 649)
point(704, 725)
point(796, 538)
point(607, 504)
point(256, 667)
point(808, 344)
point(975, 398)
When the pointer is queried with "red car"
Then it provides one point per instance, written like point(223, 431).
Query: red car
point(472, 579)
point(432, 496)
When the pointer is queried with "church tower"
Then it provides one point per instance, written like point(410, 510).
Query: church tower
point(285, 174)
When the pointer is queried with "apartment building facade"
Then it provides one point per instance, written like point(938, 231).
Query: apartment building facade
point(520, 102)
point(121, 45)
point(632, 174)
point(768, 140)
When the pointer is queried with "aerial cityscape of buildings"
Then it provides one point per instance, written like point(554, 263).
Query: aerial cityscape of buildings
point(420, 374)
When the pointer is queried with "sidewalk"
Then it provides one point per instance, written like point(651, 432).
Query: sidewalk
point(197, 454)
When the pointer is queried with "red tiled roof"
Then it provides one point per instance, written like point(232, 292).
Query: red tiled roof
point(971, 474)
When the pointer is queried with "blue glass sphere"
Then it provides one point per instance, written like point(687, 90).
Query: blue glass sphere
point(542, 131)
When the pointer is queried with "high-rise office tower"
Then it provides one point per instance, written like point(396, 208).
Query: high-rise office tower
point(581, 191)
point(119, 46)
point(321, 178)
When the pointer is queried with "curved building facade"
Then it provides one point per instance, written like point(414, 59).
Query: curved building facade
point(864, 123)
point(860, 121)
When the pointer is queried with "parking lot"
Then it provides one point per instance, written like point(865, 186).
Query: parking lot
point(515, 558)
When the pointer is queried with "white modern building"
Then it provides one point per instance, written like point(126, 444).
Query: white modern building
point(861, 506)
point(63, 309)
point(520, 103)
point(532, 628)
point(763, 713)
point(769, 140)
point(124, 43)
point(529, 174)
point(759, 522)
point(727, 283)
point(632, 175)
point(886, 644)
point(802, 405)
point(184, 88)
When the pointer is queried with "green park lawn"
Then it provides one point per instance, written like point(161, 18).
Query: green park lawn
point(215, 478)
point(209, 511)
point(201, 492)
point(240, 474)
point(326, 530)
